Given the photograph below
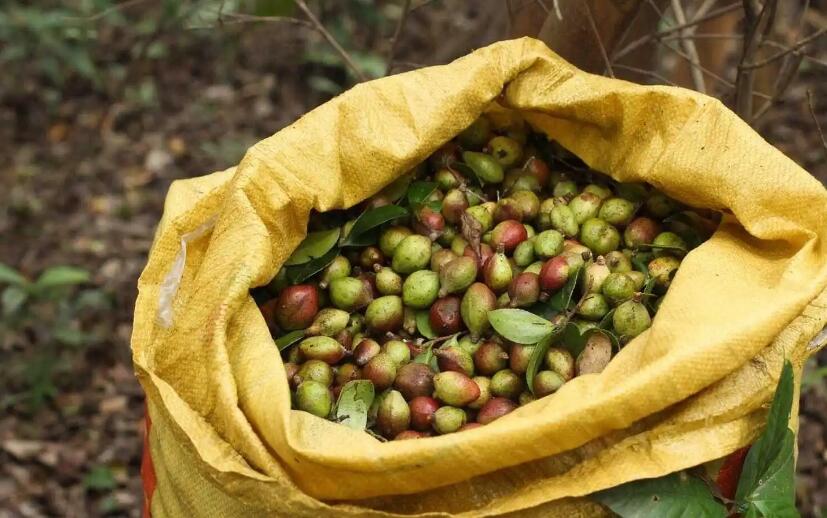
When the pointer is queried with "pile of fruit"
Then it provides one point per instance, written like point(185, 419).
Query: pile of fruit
point(487, 277)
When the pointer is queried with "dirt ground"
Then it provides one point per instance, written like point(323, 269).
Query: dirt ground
point(83, 183)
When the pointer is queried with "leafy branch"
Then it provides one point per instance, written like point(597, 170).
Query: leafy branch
point(766, 487)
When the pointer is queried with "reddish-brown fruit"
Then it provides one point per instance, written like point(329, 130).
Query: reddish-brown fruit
point(414, 380)
point(268, 311)
point(453, 205)
point(554, 273)
point(409, 434)
point(494, 409)
point(345, 337)
point(370, 257)
point(347, 372)
point(369, 280)
point(508, 209)
point(422, 412)
point(291, 369)
point(640, 231)
point(297, 306)
point(485, 254)
point(455, 359)
point(381, 371)
point(538, 169)
point(440, 258)
point(365, 351)
point(524, 290)
point(518, 357)
point(429, 223)
point(445, 317)
point(469, 426)
point(508, 234)
point(489, 358)
point(444, 156)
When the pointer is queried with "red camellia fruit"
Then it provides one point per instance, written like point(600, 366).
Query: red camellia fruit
point(508, 234)
point(445, 317)
point(297, 306)
point(554, 273)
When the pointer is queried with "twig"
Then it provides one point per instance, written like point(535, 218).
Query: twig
point(396, 33)
point(423, 4)
point(815, 119)
point(643, 71)
point(782, 83)
point(744, 80)
point(705, 36)
point(689, 47)
point(236, 18)
point(789, 50)
point(330, 39)
point(557, 12)
point(603, 54)
point(97, 16)
point(631, 47)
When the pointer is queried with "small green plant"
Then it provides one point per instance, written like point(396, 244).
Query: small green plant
point(766, 487)
point(43, 319)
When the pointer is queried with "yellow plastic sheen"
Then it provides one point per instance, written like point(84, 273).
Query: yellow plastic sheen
point(693, 388)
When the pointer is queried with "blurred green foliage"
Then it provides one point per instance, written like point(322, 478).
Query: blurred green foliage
point(50, 312)
point(59, 48)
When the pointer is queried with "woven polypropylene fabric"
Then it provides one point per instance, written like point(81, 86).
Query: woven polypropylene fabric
point(693, 388)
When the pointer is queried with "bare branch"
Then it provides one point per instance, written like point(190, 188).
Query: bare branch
point(631, 47)
point(109, 10)
point(689, 47)
point(815, 119)
point(603, 53)
point(794, 48)
point(705, 36)
point(645, 72)
point(782, 83)
point(557, 11)
point(398, 32)
point(237, 18)
point(330, 39)
point(744, 80)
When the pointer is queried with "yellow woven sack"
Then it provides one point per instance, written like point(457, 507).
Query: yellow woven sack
point(224, 441)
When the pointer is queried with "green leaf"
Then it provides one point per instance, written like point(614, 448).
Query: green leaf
point(100, 478)
point(520, 326)
point(606, 321)
point(538, 354)
point(466, 171)
point(426, 356)
point(70, 336)
point(61, 276)
point(302, 272)
point(648, 246)
point(418, 192)
point(315, 245)
point(396, 189)
point(562, 300)
point(423, 324)
point(353, 404)
point(289, 339)
point(371, 219)
point(13, 299)
point(574, 338)
point(673, 496)
point(8, 275)
point(640, 265)
point(767, 478)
